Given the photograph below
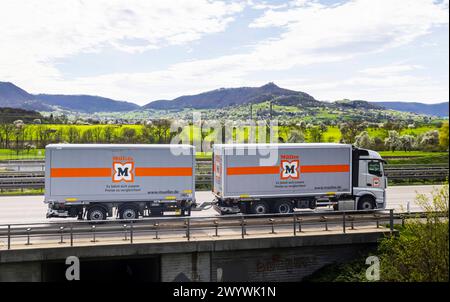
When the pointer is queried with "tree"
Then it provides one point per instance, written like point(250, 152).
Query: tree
point(162, 128)
point(393, 142)
point(97, 134)
point(428, 140)
point(323, 128)
point(128, 135)
point(443, 136)
point(6, 133)
point(87, 136)
point(43, 135)
point(73, 134)
point(18, 132)
point(407, 142)
point(108, 133)
point(349, 130)
point(378, 143)
point(302, 126)
point(418, 253)
point(421, 250)
point(363, 140)
point(316, 134)
point(146, 134)
point(296, 136)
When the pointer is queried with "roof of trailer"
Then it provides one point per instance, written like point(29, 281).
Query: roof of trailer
point(309, 145)
point(116, 146)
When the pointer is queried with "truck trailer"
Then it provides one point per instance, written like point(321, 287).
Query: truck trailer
point(276, 178)
point(96, 181)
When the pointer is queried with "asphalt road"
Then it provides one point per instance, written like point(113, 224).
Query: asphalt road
point(30, 209)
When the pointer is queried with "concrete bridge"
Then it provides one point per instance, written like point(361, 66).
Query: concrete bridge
point(280, 256)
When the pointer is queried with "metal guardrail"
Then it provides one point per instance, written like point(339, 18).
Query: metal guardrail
point(70, 233)
point(417, 172)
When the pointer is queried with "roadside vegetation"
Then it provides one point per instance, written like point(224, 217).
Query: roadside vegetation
point(419, 253)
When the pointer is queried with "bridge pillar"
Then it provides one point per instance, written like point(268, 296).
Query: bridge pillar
point(186, 267)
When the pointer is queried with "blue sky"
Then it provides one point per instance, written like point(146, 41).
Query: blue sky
point(141, 51)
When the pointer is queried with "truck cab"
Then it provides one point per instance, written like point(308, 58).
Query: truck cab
point(370, 181)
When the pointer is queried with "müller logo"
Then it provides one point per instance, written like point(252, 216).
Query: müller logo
point(290, 167)
point(123, 167)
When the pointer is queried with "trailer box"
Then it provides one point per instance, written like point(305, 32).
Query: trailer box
point(277, 170)
point(79, 174)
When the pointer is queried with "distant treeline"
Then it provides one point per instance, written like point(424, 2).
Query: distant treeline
point(389, 136)
point(9, 115)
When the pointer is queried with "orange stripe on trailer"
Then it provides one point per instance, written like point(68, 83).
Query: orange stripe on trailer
point(107, 172)
point(80, 172)
point(325, 169)
point(253, 170)
point(276, 169)
point(168, 171)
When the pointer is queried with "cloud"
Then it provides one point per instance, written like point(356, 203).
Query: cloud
point(35, 33)
point(312, 34)
point(390, 70)
point(382, 83)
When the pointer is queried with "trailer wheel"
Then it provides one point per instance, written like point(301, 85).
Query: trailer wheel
point(128, 212)
point(283, 207)
point(366, 203)
point(96, 213)
point(260, 207)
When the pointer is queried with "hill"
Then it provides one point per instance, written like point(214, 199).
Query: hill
point(15, 97)
point(85, 103)
point(440, 109)
point(357, 104)
point(9, 115)
point(225, 97)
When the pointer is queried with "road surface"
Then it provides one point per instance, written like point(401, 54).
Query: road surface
point(29, 209)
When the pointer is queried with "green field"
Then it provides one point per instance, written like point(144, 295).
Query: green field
point(410, 153)
point(8, 154)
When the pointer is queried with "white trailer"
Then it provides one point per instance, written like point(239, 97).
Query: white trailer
point(94, 181)
point(265, 178)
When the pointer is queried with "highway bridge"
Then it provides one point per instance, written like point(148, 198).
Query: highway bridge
point(231, 248)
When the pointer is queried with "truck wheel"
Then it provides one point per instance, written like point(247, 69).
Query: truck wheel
point(96, 213)
point(260, 207)
point(283, 207)
point(128, 213)
point(366, 203)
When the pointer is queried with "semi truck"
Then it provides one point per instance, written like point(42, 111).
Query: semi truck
point(96, 181)
point(277, 178)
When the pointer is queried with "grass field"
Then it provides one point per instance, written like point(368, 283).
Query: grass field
point(8, 154)
point(410, 153)
point(417, 157)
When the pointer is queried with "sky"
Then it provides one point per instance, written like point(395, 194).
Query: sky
point(146, 50)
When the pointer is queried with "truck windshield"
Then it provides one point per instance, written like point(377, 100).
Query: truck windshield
point(374, 168)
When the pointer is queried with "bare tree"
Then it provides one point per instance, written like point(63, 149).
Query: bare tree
point(73, 134)
point(6, 132)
